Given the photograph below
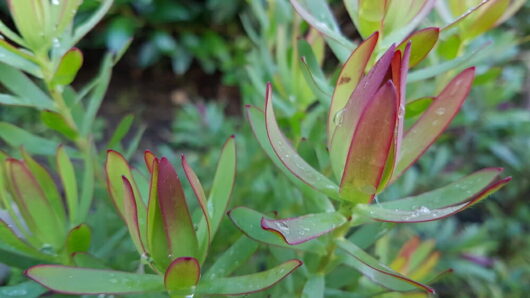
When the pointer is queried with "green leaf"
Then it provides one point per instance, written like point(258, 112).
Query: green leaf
point(130, 212)
point(68, 67)
point(377, 272)
point(47, 183)
point(370, 146)
point(24, 88)
point(31, 21)
point(84, 281)
point(249, 222)
point(417, 107)
point(63, 14)
point(350, 74)
point(17, 137)
point(37, 211)
point(27, 289)
point(121, 130)
point(438, 203)
point(78, 239)
point(182, 275)
point(422, 42)
point(56, 122)
point(232, 258)
point(434, 120)
point(314, 287)
point(288, 155)
point(68, 179)
point(11, 241)
point(247, 284)
point(92, 21)
point(83, 259)
point(18, 59)
point(298, 230)
point(181, 237)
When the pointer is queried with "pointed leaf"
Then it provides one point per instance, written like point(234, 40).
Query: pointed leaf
point(23, 87)
point(115, 168)
point(314, 287)
point(57, 122)
point(120, 131)
point(10, 240)
point(34, 206)
point(67, 174)
point(249, 222)
point(182, 275)
point(177, 221)
point(288, 155)
point(130, 212)
point(201, 198)
point(363, 93)
point(370, 147)
point(377, 272)
point(83, 259)
point(232, 258)
point(83, 281)
point(434, 120)
point(18, 137)
point(18, 59)
point(149, 158)
point(78, 239)
point(250, 283)
point(68, 67)
point(223, 184)
point(417, 107)
point(351, 73)
point(296, 230)
point(441, 202)
point(422, 42)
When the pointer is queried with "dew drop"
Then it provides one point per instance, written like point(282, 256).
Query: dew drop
point(440, 111)
point(338, 118)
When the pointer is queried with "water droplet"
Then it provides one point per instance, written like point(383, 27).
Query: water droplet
point(56, 43)
point(440, 111)
point(56, 2)
point(338, 118)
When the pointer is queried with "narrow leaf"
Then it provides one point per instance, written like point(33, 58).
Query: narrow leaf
point(68, 67)
point(149, 158)
point(10, 240)
point(377, 272)
point(18, 137)
point(370, 146)
point(83, 281)
point(182, 275)
point(130, 212)
point(178, 225)
point(232, 258)
point(417, 107)
point(288, 155)
point(18, 59)
point(298, 230)
point(434, 120)
point(27, 289)
point(67, 174)
point(57, 122)
point(422, 42)
point(120, 131)
point(250, 283)
point(22, 86)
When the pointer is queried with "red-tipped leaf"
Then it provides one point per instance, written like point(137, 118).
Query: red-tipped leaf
point(422, 42)
point(182, 275)
point(130, 212)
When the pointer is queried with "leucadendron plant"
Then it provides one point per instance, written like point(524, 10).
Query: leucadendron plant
point(36, 226)
point(172, 243)
point(370, 147)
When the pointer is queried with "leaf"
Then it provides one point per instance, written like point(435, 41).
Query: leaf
point(57, 122)
point(319, 16)
point(47, 184)
point(67, 174)
point(18, 59)
point(17, 137)
point(84, 281)
point(219, 197)
point(201, 199)
point(121, 130)
point(78, 239)
point(64, 14)
point(68, 67)
point(91, 22)
point(314, 287)
point(247, 284)
point(130, 212)
point(149, 158)
point(350, 74)
point(349, 118)
point(27, 289)
point(422, 42)
point(378, 272)
point(441, 202)
point(181, 237)
point(296, 230)
point(288, 155)
point(182, 275)
point(24, 88)
point(235, 256)
point(34, 206)
point(434, 120)
point(10, 240)
point(249, 222)
point(30, 22)
point(116, 167)
point(83, 259)
point(370, 146)
point(417, 107)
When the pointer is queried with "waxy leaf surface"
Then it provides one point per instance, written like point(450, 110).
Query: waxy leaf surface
point(250, 283)
point(83, 281)
point(182, 275)
point(130, 212)
point(422, 42)
point(298, 230)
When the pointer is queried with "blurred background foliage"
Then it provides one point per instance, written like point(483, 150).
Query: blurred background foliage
point(193, 64)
